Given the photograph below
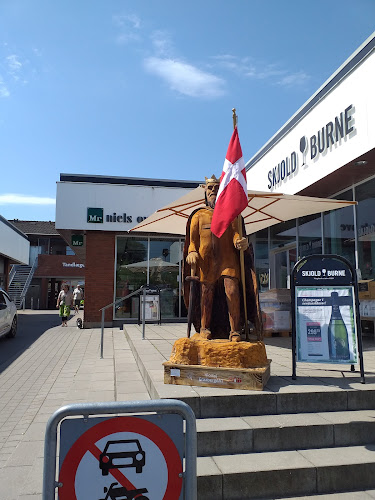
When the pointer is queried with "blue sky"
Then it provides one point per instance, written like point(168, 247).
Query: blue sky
point(145, 88)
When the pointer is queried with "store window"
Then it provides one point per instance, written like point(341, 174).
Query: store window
point(339, 237)
point(131, 273)
point(364, 194)
point(165, 256)
point(282, 253)
point(261, 259)
point(151, 261)
point(310, 235)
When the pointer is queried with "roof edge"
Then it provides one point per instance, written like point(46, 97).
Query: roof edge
point(9, 224)
point(357, 57)
point(130, 181)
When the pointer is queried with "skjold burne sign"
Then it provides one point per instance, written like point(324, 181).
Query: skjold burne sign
point(322, 141)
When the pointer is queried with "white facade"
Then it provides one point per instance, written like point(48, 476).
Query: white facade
point(341, 121)
point(13, 245)
point(119, 207)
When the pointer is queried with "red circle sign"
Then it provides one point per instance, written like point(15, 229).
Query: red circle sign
point(122, 424)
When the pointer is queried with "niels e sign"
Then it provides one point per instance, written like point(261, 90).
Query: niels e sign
point(320, 142)
point(95, 215)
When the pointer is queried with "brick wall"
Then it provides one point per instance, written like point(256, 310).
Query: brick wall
point(60, 266)
point(99, 275)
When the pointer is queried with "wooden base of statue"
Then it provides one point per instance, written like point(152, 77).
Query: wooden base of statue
point(218, 363)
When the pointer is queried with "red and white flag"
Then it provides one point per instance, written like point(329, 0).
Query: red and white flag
point(232, 195)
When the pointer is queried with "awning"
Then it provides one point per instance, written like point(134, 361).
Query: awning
point(263, 210)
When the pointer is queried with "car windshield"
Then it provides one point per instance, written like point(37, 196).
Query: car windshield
point(122, 447)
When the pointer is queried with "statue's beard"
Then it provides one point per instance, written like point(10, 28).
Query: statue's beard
point(211, 202)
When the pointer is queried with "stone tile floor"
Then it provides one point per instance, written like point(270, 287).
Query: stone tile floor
point(47, 366)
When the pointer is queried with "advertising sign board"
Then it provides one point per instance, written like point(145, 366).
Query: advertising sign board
point(325, 325)
point(325, 315)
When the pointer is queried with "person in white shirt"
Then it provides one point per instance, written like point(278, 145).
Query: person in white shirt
point(77, 297)
point(64, 301)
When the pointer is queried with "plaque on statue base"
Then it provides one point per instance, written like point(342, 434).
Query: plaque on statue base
point(253, 379)
point(218, 363)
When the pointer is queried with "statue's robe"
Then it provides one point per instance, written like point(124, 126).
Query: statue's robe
point(218, 257)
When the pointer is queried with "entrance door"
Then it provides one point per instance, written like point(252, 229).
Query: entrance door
point(282, 262)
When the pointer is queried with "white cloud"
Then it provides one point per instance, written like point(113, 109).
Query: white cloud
point(162, 43)
point(185, 78)
point(4, 92)
point(247, 67)
point(22, 199)
point(293, 79)
point(129, 26)
point(14, 64)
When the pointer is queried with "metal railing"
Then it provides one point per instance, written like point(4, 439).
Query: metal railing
point(118, 301)
point(28, 280)
point(12, 273)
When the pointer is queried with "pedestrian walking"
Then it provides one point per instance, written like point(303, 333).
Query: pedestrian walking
point(77, 297)
point(64, 301)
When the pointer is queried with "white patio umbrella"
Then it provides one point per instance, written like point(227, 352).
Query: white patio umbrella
point(263, 210)
point(155, 264)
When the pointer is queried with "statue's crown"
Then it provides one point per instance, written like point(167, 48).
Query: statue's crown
point(212, 180)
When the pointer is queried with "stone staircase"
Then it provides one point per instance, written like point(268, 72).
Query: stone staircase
point(19, 282)
point(296, 438)
point(242, 455)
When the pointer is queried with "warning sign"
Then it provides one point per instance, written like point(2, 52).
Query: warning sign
point(121, 458)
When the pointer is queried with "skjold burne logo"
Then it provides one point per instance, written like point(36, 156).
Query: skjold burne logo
point(95, 215)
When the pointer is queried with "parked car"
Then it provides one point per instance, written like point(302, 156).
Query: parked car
point(8, 316)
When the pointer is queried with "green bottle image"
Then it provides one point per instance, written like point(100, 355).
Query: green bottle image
point(338, 342)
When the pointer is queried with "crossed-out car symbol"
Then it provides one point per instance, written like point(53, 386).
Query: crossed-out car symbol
point(121, 454)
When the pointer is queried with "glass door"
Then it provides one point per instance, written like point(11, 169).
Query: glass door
point(282, 262)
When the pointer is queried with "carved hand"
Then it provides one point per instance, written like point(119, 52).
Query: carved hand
point(242, 244)
point(192, 258)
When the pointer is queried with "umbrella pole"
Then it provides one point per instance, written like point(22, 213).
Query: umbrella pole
point(242, 257)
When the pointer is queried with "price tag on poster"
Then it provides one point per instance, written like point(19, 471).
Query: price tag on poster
point(326, 326)
point(325, 315)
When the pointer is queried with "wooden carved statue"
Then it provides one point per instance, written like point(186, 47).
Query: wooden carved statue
point(217, 302)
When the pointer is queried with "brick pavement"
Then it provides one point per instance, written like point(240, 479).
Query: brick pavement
point(62, 366)
point(57, 366)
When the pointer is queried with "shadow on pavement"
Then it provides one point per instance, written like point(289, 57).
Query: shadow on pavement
point(30, 327)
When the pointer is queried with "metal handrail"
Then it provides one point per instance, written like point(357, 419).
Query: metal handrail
point(28, 279)
point(118, 301)
point(12, 273)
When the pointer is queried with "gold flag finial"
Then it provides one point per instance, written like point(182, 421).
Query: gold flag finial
point(235, 118)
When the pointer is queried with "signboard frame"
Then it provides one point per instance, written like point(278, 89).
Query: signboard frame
point(313, 279)
point(158, 407)
point(150, 293)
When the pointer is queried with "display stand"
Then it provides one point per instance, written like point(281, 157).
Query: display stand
point(325, 312)
point(152, 309)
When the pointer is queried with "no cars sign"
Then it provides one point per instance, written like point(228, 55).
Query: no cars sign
point(121, 458)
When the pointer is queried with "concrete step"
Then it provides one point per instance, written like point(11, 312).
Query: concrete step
point(282, 474)
point(249, 403)
point(344, 495)
point(233, 435)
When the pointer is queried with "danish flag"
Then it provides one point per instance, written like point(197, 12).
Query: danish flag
point(231, 198)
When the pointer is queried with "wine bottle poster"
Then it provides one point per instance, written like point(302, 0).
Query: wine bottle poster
point(325, 324)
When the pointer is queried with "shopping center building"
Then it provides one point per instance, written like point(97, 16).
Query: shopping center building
point(14, 249)
point(326, 149)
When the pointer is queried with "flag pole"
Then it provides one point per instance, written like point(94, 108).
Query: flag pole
point(242, 257)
